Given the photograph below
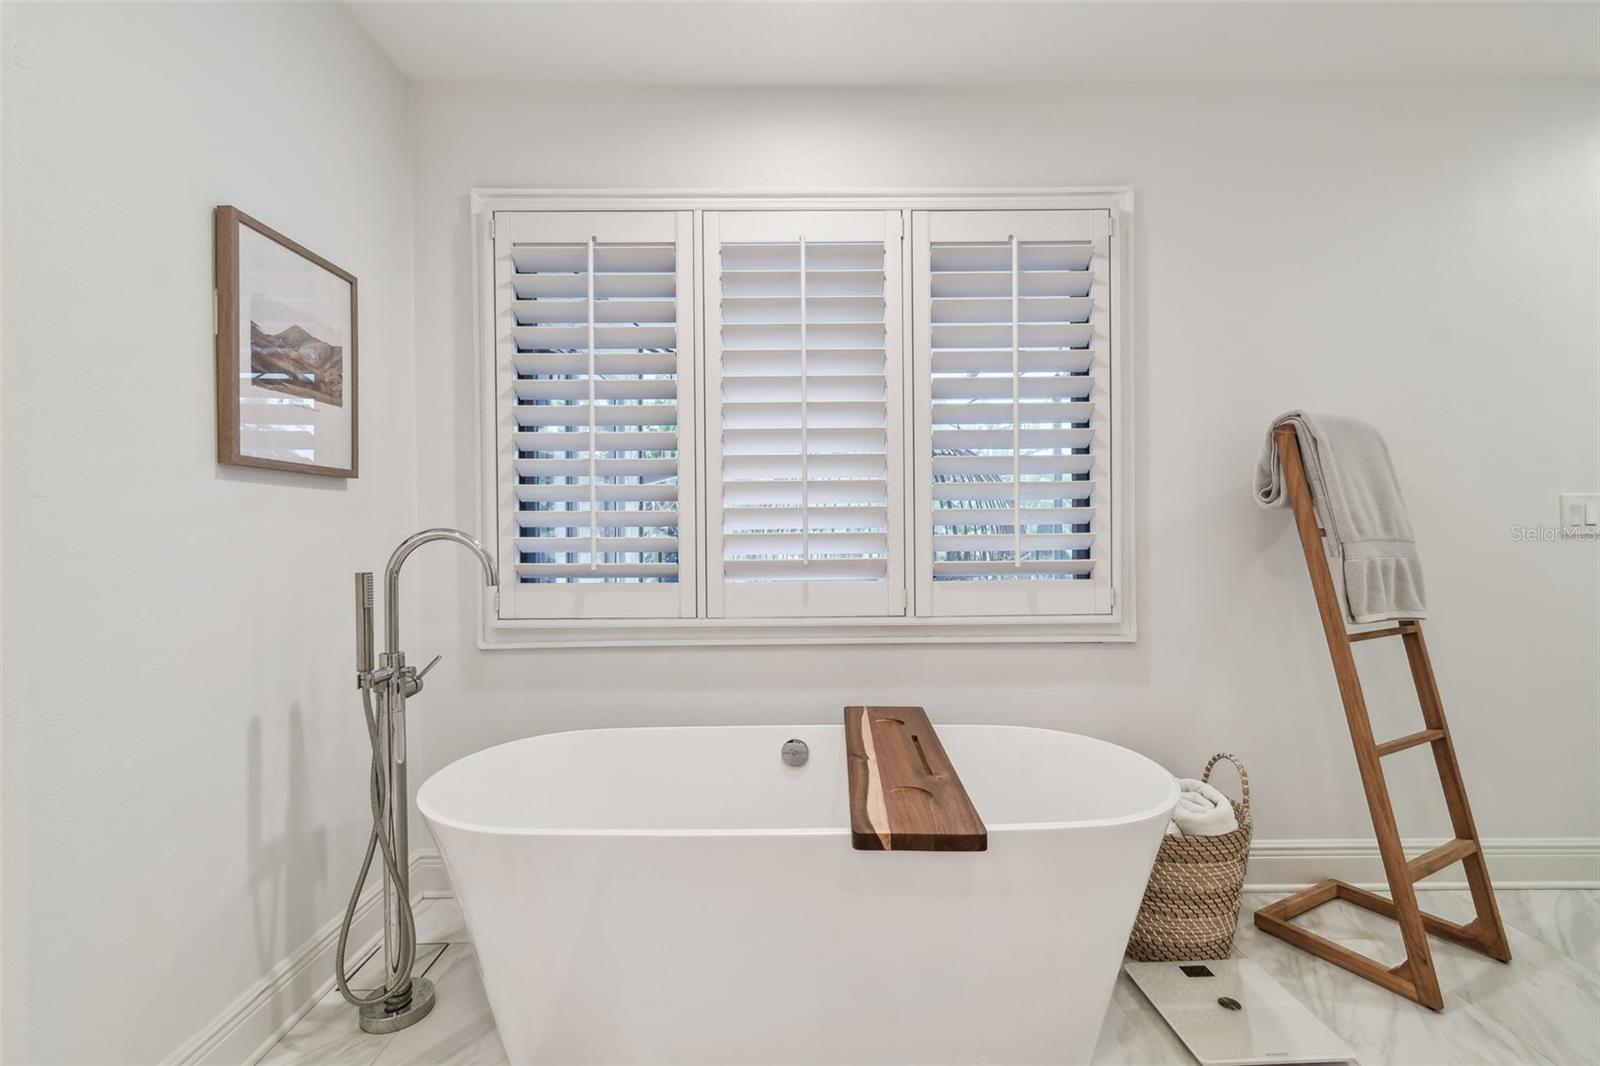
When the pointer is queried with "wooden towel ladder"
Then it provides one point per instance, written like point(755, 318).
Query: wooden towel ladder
point(1415, 978)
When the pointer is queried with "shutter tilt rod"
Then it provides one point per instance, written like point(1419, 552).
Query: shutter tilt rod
point(805, 437)
point(594, 413)
point(1016, 408)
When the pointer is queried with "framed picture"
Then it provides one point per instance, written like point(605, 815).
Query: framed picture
point(286, 353)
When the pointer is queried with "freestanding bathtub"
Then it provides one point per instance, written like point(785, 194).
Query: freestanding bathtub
point(680, 895)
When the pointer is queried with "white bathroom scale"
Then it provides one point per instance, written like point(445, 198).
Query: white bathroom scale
point(1229, 1012)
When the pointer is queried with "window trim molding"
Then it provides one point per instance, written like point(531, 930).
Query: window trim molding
point(529, 634)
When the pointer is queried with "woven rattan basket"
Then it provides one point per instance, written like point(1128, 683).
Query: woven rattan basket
point(1191, 906)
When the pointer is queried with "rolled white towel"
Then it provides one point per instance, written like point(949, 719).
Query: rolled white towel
point(1202, 811)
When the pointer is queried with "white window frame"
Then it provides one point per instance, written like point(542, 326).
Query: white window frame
point(1116, 625)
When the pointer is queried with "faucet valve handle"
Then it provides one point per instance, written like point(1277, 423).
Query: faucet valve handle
point(411, 678)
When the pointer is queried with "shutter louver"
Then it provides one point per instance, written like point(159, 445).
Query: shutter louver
point(595, 378)
point(803, 335)
point(1013, 338)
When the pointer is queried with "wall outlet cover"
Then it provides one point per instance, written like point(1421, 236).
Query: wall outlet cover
point(1580, 510)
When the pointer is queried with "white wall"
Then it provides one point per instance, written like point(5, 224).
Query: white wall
point(1420, 255)
point(184, 796)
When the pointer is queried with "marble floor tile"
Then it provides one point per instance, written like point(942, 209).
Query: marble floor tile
point(1542, 1001)
point(1135, 1035)
point(460, 1031)
point(1542, 995)
point(1566, 920)
point(328, 1034)
point(1381, 1027)
point(439, 921)
point(370, 974)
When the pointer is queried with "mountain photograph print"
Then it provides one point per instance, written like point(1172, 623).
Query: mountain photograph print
point(286, 353)
point(296, 363)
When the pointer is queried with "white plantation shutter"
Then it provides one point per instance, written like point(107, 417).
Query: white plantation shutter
point(594, 333)
point(1012, 412)
point(803, 387)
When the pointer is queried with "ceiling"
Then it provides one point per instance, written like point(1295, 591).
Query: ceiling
point(912, 43)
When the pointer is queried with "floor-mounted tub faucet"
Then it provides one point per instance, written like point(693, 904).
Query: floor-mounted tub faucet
point(385, 686)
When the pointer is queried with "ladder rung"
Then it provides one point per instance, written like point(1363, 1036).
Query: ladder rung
point(1427, 736)
point(1373, 634)
point(1432, 862)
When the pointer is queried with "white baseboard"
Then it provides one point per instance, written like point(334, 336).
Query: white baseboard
point(258, 1019)
point(428, 878)
point(1514, 862)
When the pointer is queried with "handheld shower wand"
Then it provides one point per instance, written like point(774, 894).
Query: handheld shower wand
point(363, 624)
point(403, 1000)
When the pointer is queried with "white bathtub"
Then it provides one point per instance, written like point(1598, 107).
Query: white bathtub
point(681, 896)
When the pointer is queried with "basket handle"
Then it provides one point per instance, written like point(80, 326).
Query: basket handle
point(1244, 778)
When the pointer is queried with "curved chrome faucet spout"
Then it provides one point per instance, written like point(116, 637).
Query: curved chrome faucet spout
point(491, 575)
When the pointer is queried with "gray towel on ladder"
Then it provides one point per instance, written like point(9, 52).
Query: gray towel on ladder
point(1358, 504)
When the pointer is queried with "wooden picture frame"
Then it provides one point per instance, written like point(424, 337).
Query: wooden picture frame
point(287, 396)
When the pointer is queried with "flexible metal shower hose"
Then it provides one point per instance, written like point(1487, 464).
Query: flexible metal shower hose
point(380, 839)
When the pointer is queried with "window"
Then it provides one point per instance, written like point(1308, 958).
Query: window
point(803, 368)
point(739, 420)
point(1013, 489)
point(596, 469)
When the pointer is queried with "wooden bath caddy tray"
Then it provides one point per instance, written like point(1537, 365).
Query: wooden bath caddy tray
point(904, 793)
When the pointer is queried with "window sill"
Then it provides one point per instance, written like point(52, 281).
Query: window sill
point(501, 634)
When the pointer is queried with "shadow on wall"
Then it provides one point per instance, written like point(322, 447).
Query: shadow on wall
point(280, 478)
point(287, 858)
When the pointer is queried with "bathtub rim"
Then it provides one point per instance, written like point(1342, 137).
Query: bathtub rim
point(433, 817)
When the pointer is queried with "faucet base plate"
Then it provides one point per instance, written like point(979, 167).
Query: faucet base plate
point(377, 1019)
